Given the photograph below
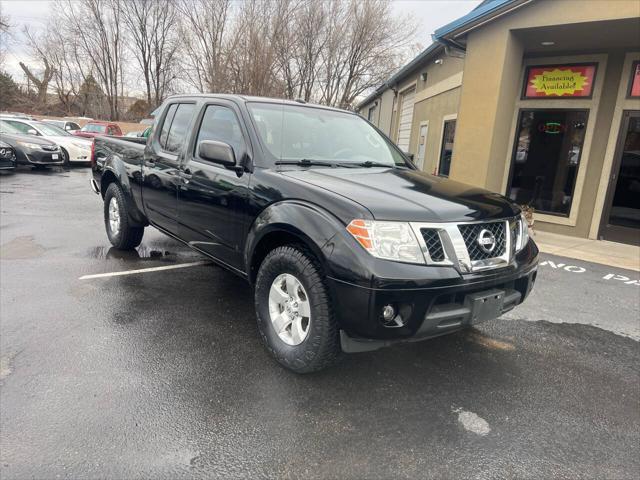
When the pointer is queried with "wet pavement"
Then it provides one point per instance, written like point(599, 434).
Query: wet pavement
point(162, 375)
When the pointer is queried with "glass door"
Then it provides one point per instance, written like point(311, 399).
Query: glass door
point(621, 217)
point(546, 159)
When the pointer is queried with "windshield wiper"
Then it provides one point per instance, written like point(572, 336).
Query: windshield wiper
point(306, 162)
point(369, 164)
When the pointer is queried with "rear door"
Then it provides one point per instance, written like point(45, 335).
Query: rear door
point(212, 208)
point(160, 180)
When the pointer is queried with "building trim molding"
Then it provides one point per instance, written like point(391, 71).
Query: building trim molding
point(449, 83)
point(622, 103)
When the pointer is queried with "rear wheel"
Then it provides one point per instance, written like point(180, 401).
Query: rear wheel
point(295, 316)
point(121, 233)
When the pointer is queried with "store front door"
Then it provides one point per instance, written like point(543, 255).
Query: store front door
point(621, 217)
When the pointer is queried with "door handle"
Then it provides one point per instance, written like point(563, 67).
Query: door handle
point(186, 175)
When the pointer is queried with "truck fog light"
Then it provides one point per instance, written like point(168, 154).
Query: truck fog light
point(391, 318)
point(388, 313)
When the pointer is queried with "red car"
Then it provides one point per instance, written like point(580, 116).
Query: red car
point(93, 129)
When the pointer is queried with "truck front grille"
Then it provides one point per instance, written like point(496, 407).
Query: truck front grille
point(468, 247)
point(434, 244)
point(471, 235)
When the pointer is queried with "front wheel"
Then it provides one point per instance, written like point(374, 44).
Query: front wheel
point(121, 233)
point(295, 316)
point(65, 158)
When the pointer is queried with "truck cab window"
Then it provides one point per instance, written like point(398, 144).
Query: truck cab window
point(179, 125)
point(221, 124)
point(166, 124)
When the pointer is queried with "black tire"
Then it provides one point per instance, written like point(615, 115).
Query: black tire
point(321, 347)
point(65, 158)
point(127, 237)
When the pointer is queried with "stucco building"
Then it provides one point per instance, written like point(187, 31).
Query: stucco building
point(536, 99)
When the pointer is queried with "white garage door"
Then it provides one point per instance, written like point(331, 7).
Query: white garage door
point(406, 117)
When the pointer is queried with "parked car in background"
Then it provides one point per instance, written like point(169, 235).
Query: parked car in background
point(95, 128)
point(140, 134)
point(24, 116)
point(30, 149)
point(66, 125)
point(7, 157)
point(73, 149)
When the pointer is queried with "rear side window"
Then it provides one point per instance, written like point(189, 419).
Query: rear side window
point(179, 126)
point(21, 127)
point(221, 124)
point(164, 133)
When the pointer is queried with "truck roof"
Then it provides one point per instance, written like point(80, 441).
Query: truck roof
point(251, 98)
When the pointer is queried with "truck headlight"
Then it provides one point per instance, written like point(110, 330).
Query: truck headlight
point(522, 232)
point(387, 240)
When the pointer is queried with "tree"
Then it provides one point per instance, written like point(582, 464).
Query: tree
point(5, 26)
point(138, 110)
point(40, 55)
point(96, 25)
point(151, 26)
point(365, 45)
point(91, 98)
point(204, 34)
point(10, 94)
point(252, 58)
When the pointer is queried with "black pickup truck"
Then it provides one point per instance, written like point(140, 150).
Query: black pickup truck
point(348, 246)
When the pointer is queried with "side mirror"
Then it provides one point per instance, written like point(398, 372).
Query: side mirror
point(217, 152)
point(68, 127)
point(32, 131)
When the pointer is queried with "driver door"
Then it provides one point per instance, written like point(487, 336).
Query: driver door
point(212, 205)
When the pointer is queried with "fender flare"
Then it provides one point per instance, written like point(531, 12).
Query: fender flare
point(309, 223)
point(114, 166)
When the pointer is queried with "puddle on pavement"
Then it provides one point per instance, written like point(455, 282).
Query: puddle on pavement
point(141, 253)
point(21, 248)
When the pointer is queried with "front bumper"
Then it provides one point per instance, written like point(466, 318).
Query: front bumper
point(78, 154)
point(436, 307)
point(8, 162)
point(41, 157)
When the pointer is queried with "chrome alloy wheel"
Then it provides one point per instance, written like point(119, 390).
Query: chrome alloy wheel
point(289, 309)
point(114, 216)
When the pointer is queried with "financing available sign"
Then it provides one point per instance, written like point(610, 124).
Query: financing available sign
point(559, 81)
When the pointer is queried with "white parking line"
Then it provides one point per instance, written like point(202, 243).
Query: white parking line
point(144, 270)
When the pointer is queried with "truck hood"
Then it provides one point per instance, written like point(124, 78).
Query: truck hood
point(408, 195)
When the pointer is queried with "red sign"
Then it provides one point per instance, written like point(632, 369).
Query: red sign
point(555, 81)
point(634, 91)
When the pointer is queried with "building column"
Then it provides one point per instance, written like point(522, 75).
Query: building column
point(491, 84)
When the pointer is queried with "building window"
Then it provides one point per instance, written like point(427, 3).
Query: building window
point(546, 159)
point(370, 113)
point(446, 151)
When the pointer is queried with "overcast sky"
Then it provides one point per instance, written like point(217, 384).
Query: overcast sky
point(430, 15)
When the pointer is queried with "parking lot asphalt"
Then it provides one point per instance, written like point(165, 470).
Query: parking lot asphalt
point(162, 375)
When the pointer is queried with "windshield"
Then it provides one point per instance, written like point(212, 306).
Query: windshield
point(293, 132)
point(51, 130)
point(6, 128)
point(94, 128)
point(57, 123)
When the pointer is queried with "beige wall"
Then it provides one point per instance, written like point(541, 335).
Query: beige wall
point(493, 73)
point(433, 110)
point(441, 77)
